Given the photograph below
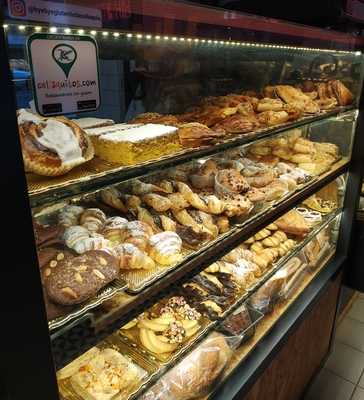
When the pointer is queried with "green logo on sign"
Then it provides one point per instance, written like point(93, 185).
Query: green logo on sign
point(65, 56)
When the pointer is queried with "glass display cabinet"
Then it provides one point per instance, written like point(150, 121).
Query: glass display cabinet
point(183, 183)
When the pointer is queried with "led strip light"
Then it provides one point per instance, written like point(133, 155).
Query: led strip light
point(176, 39)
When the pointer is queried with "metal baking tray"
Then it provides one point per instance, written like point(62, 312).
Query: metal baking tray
point(116, 286)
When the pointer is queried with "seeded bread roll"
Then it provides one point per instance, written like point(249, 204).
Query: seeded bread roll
point(80, 278)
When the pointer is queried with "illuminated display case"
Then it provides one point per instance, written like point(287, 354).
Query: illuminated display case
point(182, 180)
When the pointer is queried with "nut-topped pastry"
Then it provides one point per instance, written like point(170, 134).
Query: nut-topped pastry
point(77, 279)
point(52, 146)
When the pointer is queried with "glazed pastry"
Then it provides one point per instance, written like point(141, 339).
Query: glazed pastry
point(70, 215)
point(113, 227)
point(131, 201)
point(80, 278)
point(167, 223)
point(93, 219)
point(81, 240)
point(184, 218)
point(137, 233)
point(230, 181)
point(111, 197)
point(157, 202)
point(214, 204)
point(52, 146)
point(131, 257)
point(152, 220)
point(165, 248)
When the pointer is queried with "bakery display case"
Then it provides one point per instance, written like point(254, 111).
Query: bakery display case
point(187, 188)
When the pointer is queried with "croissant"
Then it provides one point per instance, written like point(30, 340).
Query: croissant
point(140, 188)
point(178, 201)
point(131, 201)
point(131, 257)
point(184, 218)
point(214, 204)
point(168, 224)
point(111, 197)
point(70, 215)
point(145, 216)
point(192, 198)
point(93, 219)
point(222, 223)
point(157, 202)
point(165, 248)
point(113, 228)
point(206, 220)
point(167, 186)
point(81, 240)
point(137, 233)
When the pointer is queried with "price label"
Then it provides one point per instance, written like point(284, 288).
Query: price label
point(65, 73)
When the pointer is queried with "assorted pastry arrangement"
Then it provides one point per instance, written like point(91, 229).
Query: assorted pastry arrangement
point(146, 227)
point(55, 145)
point(165, 328)
point(162, 335)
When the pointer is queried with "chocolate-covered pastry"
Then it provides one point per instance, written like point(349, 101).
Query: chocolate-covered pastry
point(238, 322)
point(47, 235)
point(78, 279)
point(190, 237)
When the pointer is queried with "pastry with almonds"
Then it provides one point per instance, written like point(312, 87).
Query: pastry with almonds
point(52, 146)
point(101, 374)
point(77, 279)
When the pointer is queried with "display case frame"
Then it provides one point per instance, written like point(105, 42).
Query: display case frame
point(27, 342)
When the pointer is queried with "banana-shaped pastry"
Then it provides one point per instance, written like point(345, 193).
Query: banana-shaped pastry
point(157, 202)
point(192, 198)
point(155, 343)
